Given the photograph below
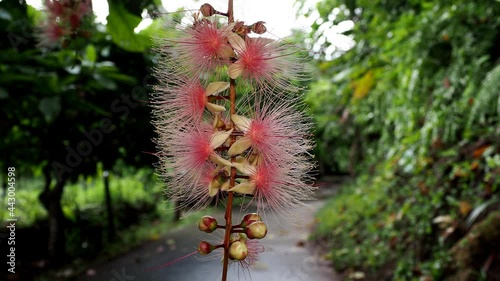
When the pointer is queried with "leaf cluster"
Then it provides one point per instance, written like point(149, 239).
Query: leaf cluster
point(414, 109)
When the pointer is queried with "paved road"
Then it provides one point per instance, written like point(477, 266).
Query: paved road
point(288, 257)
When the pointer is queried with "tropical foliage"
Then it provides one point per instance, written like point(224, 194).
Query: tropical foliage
point(414, 108)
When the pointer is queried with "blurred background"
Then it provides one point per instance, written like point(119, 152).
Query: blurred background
point(404, 94)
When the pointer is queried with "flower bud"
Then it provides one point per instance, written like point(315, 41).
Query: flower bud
point(238, 251)
point(256, 230)
point(242, 237)
point(205, 248)
point(240, 28)
point(259, 27)
point(207, 224)
point(249, 218)
point(207, 10)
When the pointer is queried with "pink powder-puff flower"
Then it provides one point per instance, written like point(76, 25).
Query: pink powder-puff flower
point(277, 133)
point(183, 102)
point(191, 166)
point(274, 152)
point(50, 34)
point(64, 18)
point(280, 188)
point(193, 148)
point(201, 47)
point(270, 64)
point(198, 191)
point(54, 8)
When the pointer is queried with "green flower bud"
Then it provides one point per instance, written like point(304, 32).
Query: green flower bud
point(256, 230)
point(207, 224)
point(249, 218)
point(238, 251)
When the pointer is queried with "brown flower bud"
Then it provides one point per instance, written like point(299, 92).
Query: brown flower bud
point(238, 251)
point(256, 230)
point(207, 10)
point(259, 27)
point(207, 224)
point(205, 248)
point(241, 29)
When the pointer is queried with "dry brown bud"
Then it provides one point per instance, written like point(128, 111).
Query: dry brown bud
point(207, 10)
point(259, 27)
point(241, 29)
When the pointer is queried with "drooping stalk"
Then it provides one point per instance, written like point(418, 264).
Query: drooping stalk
point(229, 203)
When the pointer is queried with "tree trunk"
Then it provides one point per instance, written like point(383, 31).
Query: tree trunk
point(51, 200)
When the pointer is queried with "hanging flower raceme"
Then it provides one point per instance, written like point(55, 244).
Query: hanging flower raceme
point(212, 147)
point(65, 21)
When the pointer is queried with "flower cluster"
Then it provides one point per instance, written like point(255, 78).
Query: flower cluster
point(213, 145)
point(271, 144)
point(65, 19)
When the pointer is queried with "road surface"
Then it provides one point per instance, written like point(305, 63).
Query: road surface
point(289, 256)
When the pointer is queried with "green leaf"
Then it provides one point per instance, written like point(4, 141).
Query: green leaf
point(121, 26)
point(91, 53)
point(154, 29)
point(3, 93)
point(50, 107)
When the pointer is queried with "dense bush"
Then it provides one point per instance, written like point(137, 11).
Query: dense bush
point(413, 107)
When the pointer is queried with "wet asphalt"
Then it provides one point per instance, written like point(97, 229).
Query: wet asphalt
point(288, 255)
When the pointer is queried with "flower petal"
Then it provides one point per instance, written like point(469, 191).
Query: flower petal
point(242, 123)
point(225, 186)
point(217, 159)
point(244, 188)
point(225, 52)
point(245, 168)
point(213, 187)
point(235, 70)
point(214, 108)
point(218, 122)
point(216, 87)
point(239, 146)
point(256, 159)
point(236, 42)
point(219, 137)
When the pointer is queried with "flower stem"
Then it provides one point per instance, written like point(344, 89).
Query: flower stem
point(229, 203)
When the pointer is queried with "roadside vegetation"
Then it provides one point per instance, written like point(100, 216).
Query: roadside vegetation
point(413, 111)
